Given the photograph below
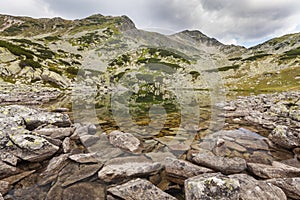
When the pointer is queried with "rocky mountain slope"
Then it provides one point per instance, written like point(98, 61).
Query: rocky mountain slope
point(101, 51)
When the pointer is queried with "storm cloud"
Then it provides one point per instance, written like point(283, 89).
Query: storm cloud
point(244, 22)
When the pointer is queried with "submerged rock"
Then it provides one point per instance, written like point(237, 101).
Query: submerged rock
point(138, 189)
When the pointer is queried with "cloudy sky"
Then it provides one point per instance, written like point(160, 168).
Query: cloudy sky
point(243, 22)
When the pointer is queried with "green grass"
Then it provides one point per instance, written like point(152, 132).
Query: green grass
point(285, 80)
point(16, 50)
point(222, 69)
point(255, 57)
point(234, 59)
point(29, 62)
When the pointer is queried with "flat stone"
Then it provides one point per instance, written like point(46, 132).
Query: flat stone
point(31, 147)
point(276, 170)
point(16, 178)
point(85, 158)
point(252, 189)
point(219, 163)
point(128, 167)
point(85, 190)
point(138, 189)
point(56, 133)
point(290, 186)
point(7, 170)
point(55, 165)
point(124, 141)
point(179, 170)
point(84, 172)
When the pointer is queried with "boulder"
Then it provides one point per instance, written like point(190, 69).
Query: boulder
point(138, 189)
point(285, 137)
point(238, 186)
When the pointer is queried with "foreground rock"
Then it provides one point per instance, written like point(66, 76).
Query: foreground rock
point(240, 143)
point(128, 167)
point(276, 170)
point(138, 189)
point(124, 141)
point(219, 163)
point(285, 137)
point(179, 170)
point(290, 186)
point(239, 186)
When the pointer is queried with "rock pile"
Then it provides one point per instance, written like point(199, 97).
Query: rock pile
point(44, 156)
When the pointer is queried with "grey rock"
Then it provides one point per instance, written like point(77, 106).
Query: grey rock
point(138, 189)
point(179, 170)
point(237, 186)
point(4, 187)
point(285, 137)
point(219, 163)
point(66, 145)
point(56, 133)
point(18, 177)
point(35, 118)
point(124, 141)
point(9, 158)
point(290, 186)
point(31, 147)
point(252, 189)
point(7, 170)
point(85, 158)
point(128, 167)
point(85, 190)
point(211, 186)
point(276, 170)
point(55, 165)
point(83, 172)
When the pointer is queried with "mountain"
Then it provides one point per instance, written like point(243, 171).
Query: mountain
point(103, 51)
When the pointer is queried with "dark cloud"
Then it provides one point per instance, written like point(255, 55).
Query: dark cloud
point(244, 22)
